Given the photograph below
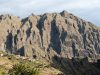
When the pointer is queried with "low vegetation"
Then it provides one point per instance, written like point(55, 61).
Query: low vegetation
point(23, 69)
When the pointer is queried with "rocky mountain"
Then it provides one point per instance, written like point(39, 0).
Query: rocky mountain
point(68, 42)
point(44, 36)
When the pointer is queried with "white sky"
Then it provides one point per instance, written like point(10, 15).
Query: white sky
point(86, 9)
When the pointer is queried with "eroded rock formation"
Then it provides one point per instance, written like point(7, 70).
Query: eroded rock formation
point(43, 36)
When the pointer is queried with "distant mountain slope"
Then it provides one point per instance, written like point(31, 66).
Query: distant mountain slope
point(43, 36)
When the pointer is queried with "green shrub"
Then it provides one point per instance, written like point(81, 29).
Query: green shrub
point(0, 72)
point(23, 69)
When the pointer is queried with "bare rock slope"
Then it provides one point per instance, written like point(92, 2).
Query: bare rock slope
point(43, 36)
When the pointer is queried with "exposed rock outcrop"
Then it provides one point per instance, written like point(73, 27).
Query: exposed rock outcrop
point(43, 36)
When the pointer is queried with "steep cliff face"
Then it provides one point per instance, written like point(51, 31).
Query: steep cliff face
point(9, 26)
point(43, 36)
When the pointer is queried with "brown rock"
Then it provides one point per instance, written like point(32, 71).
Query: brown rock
point(49, 34)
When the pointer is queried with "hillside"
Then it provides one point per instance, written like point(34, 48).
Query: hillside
point(11, 64)
point(8, 61)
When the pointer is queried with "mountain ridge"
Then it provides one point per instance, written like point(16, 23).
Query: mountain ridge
point(49, 34)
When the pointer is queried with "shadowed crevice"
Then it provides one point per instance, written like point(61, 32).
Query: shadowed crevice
point(55, 39)
point(9, 42)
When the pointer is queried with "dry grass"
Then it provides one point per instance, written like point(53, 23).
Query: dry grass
point(7, 61)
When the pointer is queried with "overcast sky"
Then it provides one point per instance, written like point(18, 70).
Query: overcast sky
point(86, 9)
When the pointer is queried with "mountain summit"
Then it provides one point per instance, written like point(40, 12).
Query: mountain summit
point(44, 36)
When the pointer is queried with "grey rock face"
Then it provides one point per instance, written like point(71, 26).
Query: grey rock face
point(50, 34)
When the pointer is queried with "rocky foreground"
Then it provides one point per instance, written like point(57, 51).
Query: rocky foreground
point(60, 38)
